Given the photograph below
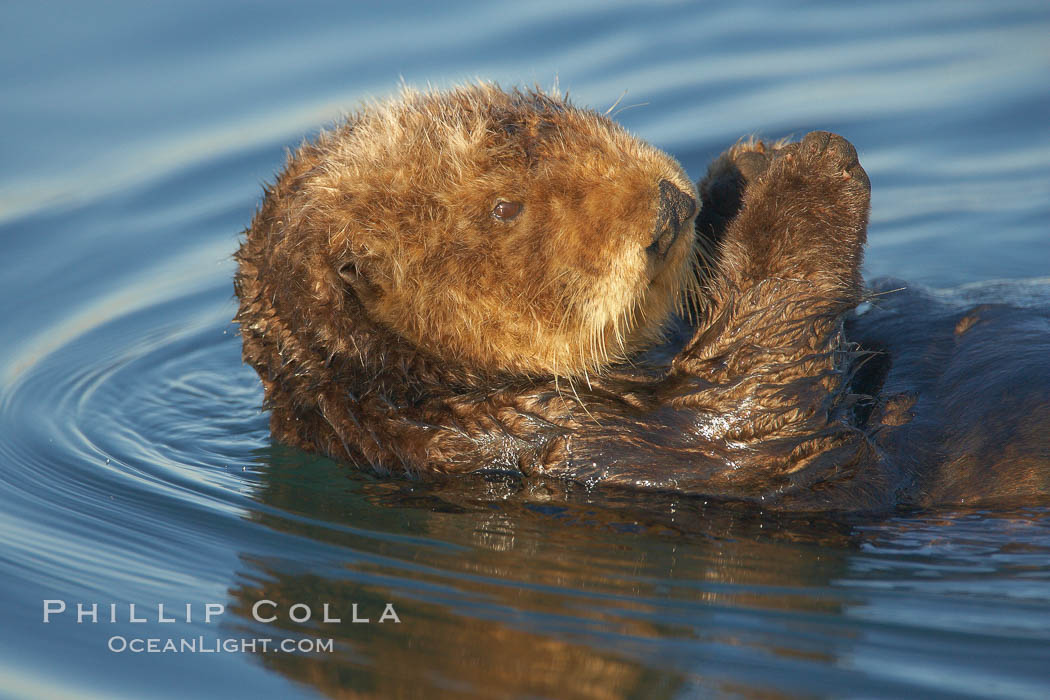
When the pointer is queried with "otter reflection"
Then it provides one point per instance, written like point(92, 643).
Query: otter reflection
point(506, 588)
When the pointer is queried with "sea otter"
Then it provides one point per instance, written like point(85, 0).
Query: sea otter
point(481, 280)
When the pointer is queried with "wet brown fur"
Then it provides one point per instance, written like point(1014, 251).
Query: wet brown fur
point(394, 321)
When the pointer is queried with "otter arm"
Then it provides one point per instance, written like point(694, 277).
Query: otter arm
point(756, 406)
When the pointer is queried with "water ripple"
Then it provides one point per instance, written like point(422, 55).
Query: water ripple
point(136, 466)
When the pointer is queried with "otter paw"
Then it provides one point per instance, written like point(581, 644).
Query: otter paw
point(722, 189)
point(727, 178)
point(824, 153)
point(752, 163)
point(805, 216)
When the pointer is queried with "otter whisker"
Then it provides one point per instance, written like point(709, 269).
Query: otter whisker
point(623, 109)
point(613, 105)
point(582, 404)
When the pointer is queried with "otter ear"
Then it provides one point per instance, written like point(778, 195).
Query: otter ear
point(354, 276)
point(350, 272)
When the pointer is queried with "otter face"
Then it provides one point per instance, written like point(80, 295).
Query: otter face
point(504, 232)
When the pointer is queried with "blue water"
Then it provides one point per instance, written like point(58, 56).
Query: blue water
point(136, 467)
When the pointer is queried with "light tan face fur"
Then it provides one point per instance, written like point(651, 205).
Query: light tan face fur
point(408, 190)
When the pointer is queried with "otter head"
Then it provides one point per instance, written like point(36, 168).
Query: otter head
point(501, 232)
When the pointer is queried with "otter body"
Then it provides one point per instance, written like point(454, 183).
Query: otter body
point(477, 280)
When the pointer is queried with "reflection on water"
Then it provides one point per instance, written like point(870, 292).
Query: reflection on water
point(504, 605)
point(576, 595)
point(136, 467)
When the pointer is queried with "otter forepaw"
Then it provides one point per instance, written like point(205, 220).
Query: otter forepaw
point(806, 214)
point(722, 189)
point(825, 166)
point(819, 175)
point(838, 155)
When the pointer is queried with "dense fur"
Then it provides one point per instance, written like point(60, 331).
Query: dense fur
point(396, 206)
point(395, 319)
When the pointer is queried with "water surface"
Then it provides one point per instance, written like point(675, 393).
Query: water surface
point(136, 467)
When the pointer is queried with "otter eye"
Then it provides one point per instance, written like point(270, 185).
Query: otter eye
point(505, 211)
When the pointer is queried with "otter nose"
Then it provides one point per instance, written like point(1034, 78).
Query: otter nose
point(675, 208)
